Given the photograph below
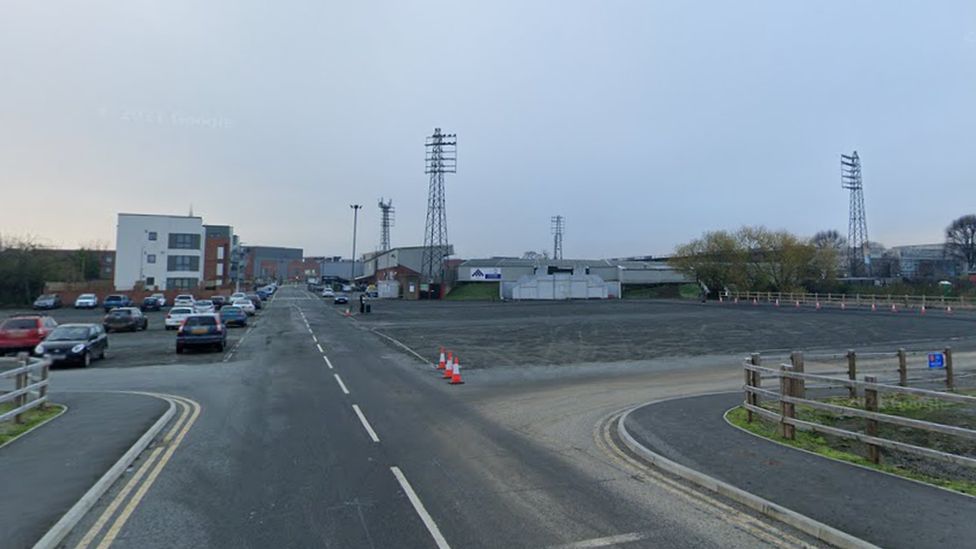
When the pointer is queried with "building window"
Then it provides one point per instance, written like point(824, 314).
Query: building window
point(220, 269)
point(220, 252)
point(184, 241)
point(181, 283)
point(108, 259)
point(150, 281)
point(150, 258)
point(182, 263)
point(152, 235)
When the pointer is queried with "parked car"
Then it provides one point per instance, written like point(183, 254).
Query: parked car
point(116, 300)
point(184, 300)
point(125, 318)
point(74, 343)
point(237, 295)
point(256, 301)
point(246, 305)
point(24, 332)
point(219, 301)
point(86, 301)
point(340, 299)
point(202, 306)
point(161, 298)
point(176, 316)
point(232, 315)
point(48, 301)
point(263, 294)
point(201, 330)
point(149, 304)
point(328, 293)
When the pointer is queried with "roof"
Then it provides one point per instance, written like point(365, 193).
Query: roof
point(161, 215)
point(565, 263)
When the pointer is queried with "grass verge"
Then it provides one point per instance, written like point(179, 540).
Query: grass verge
point(661, 291)
point(10, 430)
point(816, 443)
point(474, 291)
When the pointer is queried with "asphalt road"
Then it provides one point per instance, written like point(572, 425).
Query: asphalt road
point(281, 454)
point(515, 334)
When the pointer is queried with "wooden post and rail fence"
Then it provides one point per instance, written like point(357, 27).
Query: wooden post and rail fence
point(841, 300)
point(30, 385)
point(790, 393)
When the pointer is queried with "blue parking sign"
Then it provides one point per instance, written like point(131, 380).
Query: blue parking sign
point(936, 360)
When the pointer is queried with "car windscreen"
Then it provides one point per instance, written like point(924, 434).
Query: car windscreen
point(113, 298)
point(204, 303)
point(180, 311)
point(200, 321)
point(231, 310)
point(69, 333)
point(119, 313)
point(18, 324)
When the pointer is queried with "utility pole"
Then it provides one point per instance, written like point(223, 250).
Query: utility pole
point(440, 158)
point(355, 220)
point(558, 226)
point(858, 254)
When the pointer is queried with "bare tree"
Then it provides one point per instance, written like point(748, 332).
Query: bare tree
point(828, 240)
point(961, 240)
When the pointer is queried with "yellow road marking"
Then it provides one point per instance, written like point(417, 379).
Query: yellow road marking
point(172, 439)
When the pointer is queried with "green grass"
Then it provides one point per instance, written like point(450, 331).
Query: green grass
point(661, 291)
point(10, 430)
point(474, 291)
point(815, 443)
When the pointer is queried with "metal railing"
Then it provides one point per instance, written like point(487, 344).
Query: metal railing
point(791, 391)
point(30, 390)
point(841, 300)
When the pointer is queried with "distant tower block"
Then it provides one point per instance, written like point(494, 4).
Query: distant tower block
point(858, 254)
point(558, 226)
point(386, 221)
point(441, 158)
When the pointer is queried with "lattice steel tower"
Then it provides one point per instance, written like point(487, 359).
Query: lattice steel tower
point(558, 226)
point(441, 158)
point(857, 229)
point(386, 221)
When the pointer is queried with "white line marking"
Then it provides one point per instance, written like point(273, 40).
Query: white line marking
point(327, 361)
point(310, 331)
point(418, 506)
point(341, 384)
point(320, 347)
point(362, 418)
point(315, 339)
point(603, 542)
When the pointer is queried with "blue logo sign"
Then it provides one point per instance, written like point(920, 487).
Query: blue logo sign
point(936, 360)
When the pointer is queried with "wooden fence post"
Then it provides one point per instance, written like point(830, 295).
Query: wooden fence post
point(950, 381)
point(45, 374)
point(753, 379)
point(852, 371)
point(799, 385)
point(871, 428)
point(902, 368)
point(786, 409)
point(22, 381)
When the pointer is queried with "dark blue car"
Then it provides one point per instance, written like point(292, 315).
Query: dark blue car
point(116, 300)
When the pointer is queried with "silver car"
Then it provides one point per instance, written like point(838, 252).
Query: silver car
point(204, 306)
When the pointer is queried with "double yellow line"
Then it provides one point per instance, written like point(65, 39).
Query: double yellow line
point(145, 476)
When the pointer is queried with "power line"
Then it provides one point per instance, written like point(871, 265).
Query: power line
point(440, 158)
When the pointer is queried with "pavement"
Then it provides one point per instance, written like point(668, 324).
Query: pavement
point(882, 509)
point(43, 473)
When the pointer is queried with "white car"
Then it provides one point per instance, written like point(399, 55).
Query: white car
point(204, 306)
point(160, 298)
point(184, 300)
point(237, 295)
point(246, 305)
point(86, 301)
point(176, 316)
point(328, 292)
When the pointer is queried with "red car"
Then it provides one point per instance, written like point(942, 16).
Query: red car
point(24, 332)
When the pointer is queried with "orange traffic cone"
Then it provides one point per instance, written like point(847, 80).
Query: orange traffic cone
point(456, 375)
point(922, 310)
point(894, 309)
point(948, 309)
point(736, 301)
point(874, 306)
point(449, 369)
point(755, 301)
point(798, 304)
point(843, 305)
point(818, 305)
point(441, 362)
point(777, 302)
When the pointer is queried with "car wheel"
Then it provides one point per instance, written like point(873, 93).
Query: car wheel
point(220, 347)
point(86, 360)
point(101, 354)
point(179, 349)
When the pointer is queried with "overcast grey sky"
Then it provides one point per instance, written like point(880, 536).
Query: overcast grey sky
point(644, 123)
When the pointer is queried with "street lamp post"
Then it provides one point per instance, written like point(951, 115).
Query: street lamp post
point(355, 220)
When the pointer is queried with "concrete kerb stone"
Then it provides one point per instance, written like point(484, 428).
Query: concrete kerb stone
point(814, 528)
point(67, 523)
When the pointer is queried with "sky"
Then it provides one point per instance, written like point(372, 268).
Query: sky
point(644, 123)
